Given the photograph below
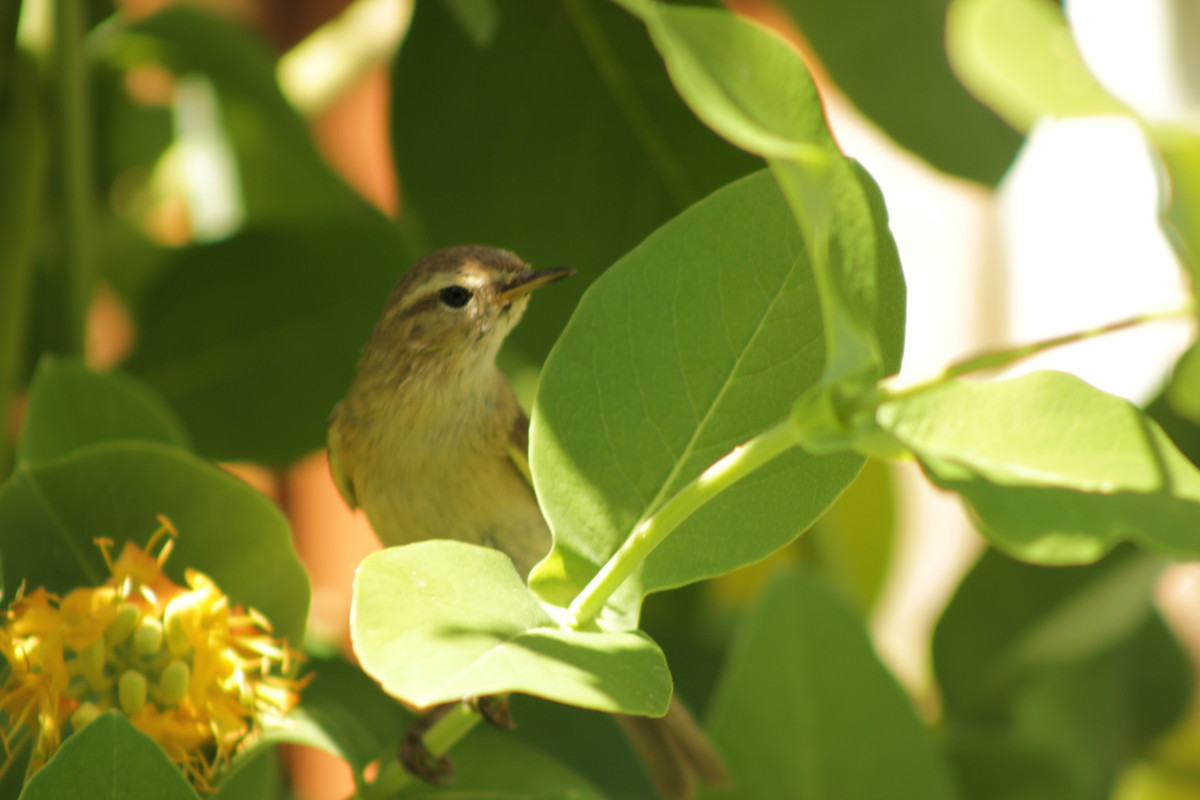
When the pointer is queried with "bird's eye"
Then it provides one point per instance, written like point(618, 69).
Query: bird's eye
point(454, 296)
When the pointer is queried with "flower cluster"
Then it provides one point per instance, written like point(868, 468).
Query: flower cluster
point(194, 673)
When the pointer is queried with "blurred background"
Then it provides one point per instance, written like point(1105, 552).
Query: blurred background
point(1062, 237)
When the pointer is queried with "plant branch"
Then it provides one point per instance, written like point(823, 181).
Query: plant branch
point(450, 728)
point(1002, 358)
point(74, 158)
point(23, 163)
point(652, 530)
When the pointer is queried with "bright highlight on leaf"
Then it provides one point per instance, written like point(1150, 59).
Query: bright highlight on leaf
point(439, 621)
point(1056, 471)
point(198, 675)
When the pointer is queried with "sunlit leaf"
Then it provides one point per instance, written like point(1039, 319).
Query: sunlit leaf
point(442, 620)
point(806, 709)
point(696, 341)
point(50, 515)
point(1020, 59)
point(1055, 470)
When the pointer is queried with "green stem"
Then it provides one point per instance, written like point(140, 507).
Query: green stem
point(23, 163)
point(651, 531)
point(1003, 358)
point(73, 141)
point(441, 736)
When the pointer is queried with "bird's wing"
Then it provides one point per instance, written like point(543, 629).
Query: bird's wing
point(338, 453)
point(518, 446)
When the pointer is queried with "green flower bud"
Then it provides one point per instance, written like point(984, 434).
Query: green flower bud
point(123, 624)
point(83, 715)
point(148, 638)
point(91, 664)
point(173, 683)
point(131, 691)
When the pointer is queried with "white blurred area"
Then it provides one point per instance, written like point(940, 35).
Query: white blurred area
point(1070, 241)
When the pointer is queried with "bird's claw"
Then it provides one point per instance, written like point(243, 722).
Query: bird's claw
point(417, 758)
point(495, 709)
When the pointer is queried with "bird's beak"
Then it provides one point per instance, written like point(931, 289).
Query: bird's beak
point(526, 282)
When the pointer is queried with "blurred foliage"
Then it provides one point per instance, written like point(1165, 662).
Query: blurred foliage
point(721, 306)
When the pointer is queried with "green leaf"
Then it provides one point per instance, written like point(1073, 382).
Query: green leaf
point(256, 776)
point(51, 513)
point(71, 407)
point(441, 620)
point(696, 341)
point(253, 340)
point(1054, 679)
point(1056, 471)
point(806, 709)
point(1020, 59)
point(491, 764)
point(1009, 620)
point(889, 57)
point(1179, 147)
point(745, 82)
point(561, 139)
point(343, 712)
point(754, 90)
point(109, 760)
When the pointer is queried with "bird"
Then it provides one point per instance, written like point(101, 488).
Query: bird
point(430, 443)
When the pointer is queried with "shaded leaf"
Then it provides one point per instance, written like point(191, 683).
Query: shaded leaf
point(1056, 470)
point(108, 760)
point(560, 138)
point(253, 340)
point(1009, 620)
point(1056, 678)
point(806, 709)
point(493, 764)
point(50, 514)
point(468, 626)
point(889, 57)
point(71, 407)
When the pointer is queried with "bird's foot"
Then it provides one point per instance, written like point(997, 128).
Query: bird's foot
point(495, 710)
point(417, 758)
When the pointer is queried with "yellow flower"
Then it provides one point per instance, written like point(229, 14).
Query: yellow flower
point(197, 675)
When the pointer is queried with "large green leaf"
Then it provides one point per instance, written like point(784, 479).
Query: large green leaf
point(1019, 58)
point(558, 137)
point(1056, 471)
point(253, 340)
point(750, 87)
point(71, 407)
point(696, 341)
point(109, 760)
point(1009, 620)
point(1053, 679)
point(805, 708)
point(51, 513)
point(442, 620)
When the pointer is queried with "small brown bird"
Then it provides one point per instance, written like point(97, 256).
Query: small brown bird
point(430, 443)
